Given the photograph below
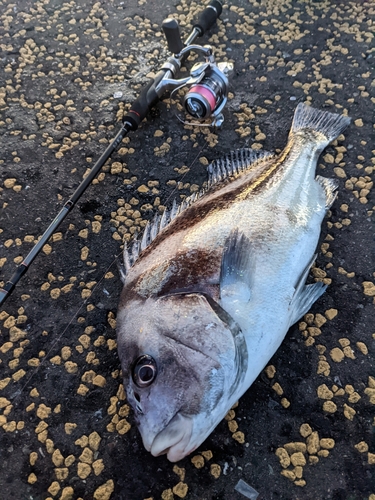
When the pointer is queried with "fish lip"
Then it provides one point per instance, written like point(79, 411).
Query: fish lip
point(174, 439)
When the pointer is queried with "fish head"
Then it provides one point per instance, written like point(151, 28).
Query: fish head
point(182, 357)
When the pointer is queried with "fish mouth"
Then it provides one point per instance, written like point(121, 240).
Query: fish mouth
point(174, 439)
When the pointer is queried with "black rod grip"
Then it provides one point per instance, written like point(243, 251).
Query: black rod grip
point(172, 34)
point(144, 102)
point(208, 17)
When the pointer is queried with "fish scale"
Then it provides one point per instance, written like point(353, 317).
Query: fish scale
point(213, 287)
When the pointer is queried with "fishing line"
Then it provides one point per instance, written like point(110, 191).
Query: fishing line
point(96, 288)
point(60, 336)
point(206, 98)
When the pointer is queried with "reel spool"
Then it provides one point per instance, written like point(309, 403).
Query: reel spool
point(207, 98)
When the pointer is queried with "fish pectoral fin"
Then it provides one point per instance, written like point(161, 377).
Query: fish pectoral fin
point(236, 269)
point(304, 295)
point(329, 186)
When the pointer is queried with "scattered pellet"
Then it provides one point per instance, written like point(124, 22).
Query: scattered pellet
point(283, 456)
point(197, 461)
point(362, 447)
point(207, 454)
point(69, 427)
point(215, 470)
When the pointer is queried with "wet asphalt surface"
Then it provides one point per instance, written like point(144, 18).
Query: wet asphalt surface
point(306, 428)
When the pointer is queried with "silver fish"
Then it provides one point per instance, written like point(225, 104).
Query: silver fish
point(214, 285)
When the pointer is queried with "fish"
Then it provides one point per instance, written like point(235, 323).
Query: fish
point(213, 285)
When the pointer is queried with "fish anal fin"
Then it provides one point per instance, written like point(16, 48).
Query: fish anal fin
point(329, 186)
point(304, 295)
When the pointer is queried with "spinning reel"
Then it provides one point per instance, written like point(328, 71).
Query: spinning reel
point(208, 81)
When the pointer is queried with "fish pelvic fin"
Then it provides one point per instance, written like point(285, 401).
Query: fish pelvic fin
point(329, 186)
point(236, 269)
point(330, 125)
point(304, 295)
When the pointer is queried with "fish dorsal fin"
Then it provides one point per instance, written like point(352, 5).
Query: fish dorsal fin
point(231, 165)
point(329, 186)
point(152, 229)
point(234, 164)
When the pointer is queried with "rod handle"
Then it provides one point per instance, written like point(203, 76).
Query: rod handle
point(144, 102)
point(208, 17)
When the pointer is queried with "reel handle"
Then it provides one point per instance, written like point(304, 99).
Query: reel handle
point(172, 34)
point(208, 17)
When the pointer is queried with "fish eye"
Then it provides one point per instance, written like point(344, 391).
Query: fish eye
point(144, 371)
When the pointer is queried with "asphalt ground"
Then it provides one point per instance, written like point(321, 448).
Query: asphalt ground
point(306, 427)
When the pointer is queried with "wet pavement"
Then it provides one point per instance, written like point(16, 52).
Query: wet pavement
point(306, 428)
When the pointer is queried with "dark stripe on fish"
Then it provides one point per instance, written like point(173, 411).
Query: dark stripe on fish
point(216, 200)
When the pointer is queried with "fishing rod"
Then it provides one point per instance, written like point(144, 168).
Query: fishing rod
point(205, 99)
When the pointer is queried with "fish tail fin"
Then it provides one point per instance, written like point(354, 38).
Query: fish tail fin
point(309, 119)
